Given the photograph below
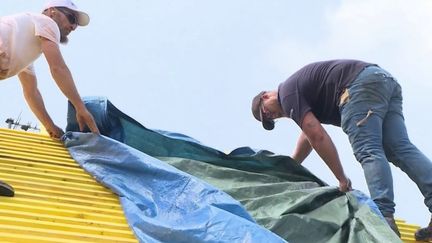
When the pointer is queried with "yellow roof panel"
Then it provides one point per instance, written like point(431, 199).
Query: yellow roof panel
point(55, 200)
point(407, 231)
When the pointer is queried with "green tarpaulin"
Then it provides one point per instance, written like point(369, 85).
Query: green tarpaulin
point(280, 194)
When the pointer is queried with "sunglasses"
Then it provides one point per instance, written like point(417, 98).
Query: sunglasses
point(72, 18)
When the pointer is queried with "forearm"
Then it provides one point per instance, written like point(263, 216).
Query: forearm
point(34, 98)
point(64, 81)
point(37, 106)
point(303, 149)
point(322, 144)
point(327, 151)
point(63, 77)
point(60, 73)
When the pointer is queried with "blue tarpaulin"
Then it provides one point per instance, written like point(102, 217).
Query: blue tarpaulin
point(175, 189)
point(162, 203)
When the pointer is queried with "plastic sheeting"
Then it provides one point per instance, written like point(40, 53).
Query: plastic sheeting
point(164, 204)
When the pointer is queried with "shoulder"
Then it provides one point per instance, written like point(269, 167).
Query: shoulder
point(24, 19)
point(45, 27)
point(287, 92)
point(42, 19)
point(26, 16)
point(291, 94)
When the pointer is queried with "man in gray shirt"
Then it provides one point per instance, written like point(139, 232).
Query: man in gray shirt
point(366, 102)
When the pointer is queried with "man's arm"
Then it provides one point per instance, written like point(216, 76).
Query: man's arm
point(36, 104)
point(323, 145)
point(303, 149)
point(63, 78)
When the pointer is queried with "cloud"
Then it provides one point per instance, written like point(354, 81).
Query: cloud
point(387, 24)
point(394, 33)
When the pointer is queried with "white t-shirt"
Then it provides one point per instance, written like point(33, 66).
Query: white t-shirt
point(20, 43)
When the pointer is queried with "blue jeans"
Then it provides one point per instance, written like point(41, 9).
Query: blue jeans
point(373, 120)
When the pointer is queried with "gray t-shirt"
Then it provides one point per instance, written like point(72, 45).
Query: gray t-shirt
point(317, 87)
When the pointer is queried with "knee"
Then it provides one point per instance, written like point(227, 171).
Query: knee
point(398, 149)
point(366, 156)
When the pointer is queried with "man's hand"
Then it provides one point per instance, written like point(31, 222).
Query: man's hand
point(345, 185)
point(84, 118)
point(54, 131)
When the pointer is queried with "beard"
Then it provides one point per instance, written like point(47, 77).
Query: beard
point(64, 36)
point(64, 39)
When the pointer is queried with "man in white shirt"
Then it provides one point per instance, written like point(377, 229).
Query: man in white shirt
point(23, 38)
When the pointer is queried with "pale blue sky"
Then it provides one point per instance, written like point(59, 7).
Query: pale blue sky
point(193, 66)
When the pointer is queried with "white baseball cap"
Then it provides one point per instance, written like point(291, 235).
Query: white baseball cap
point(83, 18)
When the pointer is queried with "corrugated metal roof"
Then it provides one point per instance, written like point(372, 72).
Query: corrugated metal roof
point(407, 231)
point(55, 200)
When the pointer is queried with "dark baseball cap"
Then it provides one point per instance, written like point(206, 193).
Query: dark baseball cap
point(257, 111)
